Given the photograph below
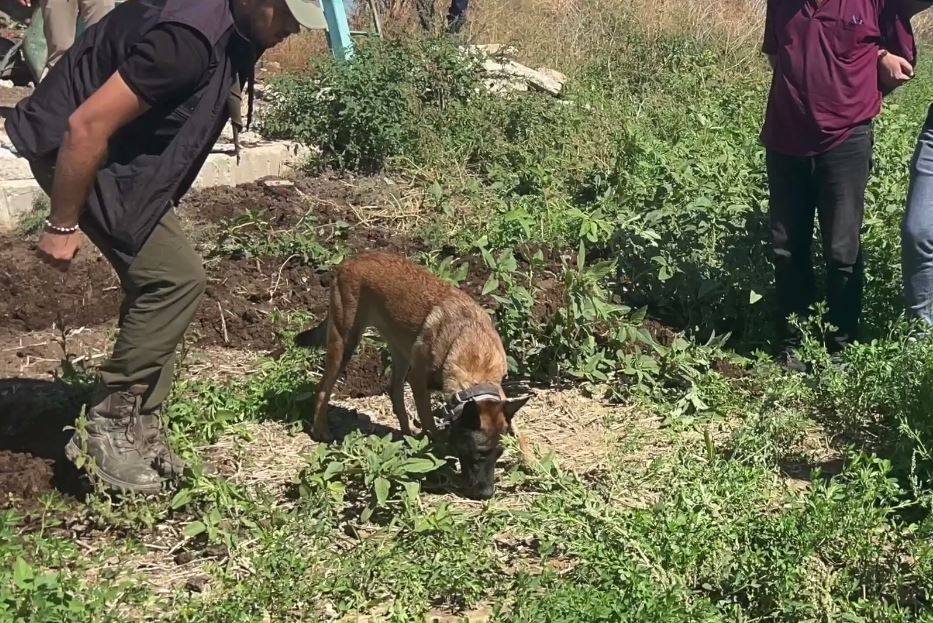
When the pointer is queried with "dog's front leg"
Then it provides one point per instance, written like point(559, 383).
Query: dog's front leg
point(400, 367)
point(418, 379)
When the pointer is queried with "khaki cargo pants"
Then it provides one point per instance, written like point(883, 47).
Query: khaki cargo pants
point(162, 287)
point(60, 21)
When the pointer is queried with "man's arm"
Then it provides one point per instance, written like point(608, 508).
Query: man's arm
point(83, 150)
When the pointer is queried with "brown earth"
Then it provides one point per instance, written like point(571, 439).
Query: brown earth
point(23, 477)
point(240, 310)
point(38, 296)
point(244, 306)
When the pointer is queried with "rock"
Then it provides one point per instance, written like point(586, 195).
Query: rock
point(198, 584)
point(505, 74)
point(501, 86)
point(553, 74)
point(550, 81)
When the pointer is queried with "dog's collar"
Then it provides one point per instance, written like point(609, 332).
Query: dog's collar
point(453, 408)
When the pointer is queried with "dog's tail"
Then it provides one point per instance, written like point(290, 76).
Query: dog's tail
point(313, 338)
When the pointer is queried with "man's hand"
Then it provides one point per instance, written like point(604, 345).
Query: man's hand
point(26, 3)
point(57, 250)
point(894, 70)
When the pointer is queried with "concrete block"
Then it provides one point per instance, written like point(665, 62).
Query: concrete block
point(16, 201)
point(256, 161)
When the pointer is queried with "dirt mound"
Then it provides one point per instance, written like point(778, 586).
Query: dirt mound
point(280, 205)
point(38, 296)
point(23, 477)
point(244, 295)
point(364, 377)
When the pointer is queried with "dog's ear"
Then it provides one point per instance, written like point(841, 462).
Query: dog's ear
point(513, 405)
point(470, 418)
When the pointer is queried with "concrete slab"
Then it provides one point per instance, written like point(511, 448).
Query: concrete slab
point(17, 198)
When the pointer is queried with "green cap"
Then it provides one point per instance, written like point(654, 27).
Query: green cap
point(308, 13)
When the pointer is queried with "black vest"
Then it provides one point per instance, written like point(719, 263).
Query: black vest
point(153, 160)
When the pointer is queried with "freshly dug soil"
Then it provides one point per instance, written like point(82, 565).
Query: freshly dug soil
point(38, 296)
point(248, 292)
point(365, 375)
point(33, 417)
point(23, 477)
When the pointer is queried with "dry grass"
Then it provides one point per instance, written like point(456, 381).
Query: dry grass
point(583, 433)
point(567, 33)
point(563, 34)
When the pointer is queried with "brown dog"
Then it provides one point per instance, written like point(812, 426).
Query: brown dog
point(439, 339)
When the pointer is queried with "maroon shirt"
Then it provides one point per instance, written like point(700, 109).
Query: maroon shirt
point(826, 74)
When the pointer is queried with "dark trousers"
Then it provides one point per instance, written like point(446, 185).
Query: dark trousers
point(458, 10)
point(831, 186)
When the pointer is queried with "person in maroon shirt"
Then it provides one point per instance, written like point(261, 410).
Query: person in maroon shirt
point(832, 61)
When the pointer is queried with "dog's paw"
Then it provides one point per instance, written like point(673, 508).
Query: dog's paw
point(319, 433)
point(322, 436)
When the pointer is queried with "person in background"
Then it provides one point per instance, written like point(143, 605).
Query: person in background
point(456, 15)
point(917, 231)
point(116, 134)
point(60, 23)
point(832, 62)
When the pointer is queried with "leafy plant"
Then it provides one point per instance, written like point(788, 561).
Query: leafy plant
point(378, 473)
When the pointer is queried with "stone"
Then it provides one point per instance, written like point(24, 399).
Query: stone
point(550, 82)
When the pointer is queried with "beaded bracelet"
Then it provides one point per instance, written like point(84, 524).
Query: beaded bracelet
point(60, 230)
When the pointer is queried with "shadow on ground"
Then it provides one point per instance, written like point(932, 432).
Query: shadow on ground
point(34, 416)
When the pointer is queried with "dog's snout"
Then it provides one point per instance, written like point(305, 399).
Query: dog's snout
point(482, 492)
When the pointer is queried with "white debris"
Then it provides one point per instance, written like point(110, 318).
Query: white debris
point(505, 74)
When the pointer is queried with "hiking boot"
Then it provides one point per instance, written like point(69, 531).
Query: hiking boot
point(114, 439)
point(787, 359)
point(156, 448)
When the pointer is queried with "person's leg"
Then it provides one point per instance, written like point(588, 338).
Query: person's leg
point(163, 286)
point(92, 11)
point(457, 15)
point(841, 177)
point(60, 20)
point(917, 233)
point(791, 212)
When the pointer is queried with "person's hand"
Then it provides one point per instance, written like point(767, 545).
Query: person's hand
point(26, 3)
point(58, 250)
point(893, 71)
